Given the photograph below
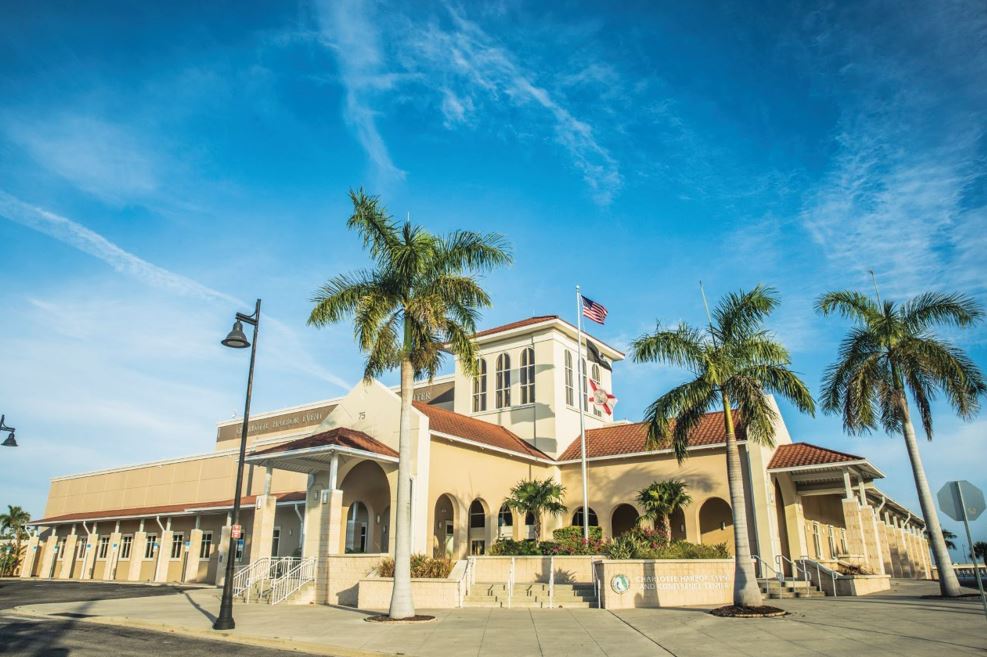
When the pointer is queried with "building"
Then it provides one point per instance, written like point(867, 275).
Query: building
point(321, 480)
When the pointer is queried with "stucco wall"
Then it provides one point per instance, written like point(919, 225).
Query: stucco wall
point(666, 583)
point(568, 569)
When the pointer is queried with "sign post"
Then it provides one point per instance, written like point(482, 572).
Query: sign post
point(961, 500)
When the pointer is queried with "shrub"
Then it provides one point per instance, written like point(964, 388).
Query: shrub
point(422, 567)
point(576, 533)
point(508, 547)
point(643, 543)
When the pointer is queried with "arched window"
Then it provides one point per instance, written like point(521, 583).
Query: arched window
point(528, 376)
point(505, 522)
point(480, 386)
point(478, 519)
point(570, 393)
point(577, 518)
point(503, 381)
point(595, 375)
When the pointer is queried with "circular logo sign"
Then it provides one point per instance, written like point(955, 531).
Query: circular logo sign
point(620, 584)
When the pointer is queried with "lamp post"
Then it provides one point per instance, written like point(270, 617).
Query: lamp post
point(9, 442)
point(237, 340)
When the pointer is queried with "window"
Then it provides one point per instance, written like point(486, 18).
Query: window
point(478, 519)
point(126, 542)
point(503, 381)
point(570, 393)
point(205, 548)
point(832, 542)
point(80, 547)
point(104, 545)
point(585, 388)
point(477, 547)
point(60, 548)
point(815, 539)
point(151, 549)
point(176, 545)
point(529, 522)
point(528, 376)
point(595, 375)
point(577, 518)
point(505, 522)
point(480, 386)
point(275, 541)
point(843, 549)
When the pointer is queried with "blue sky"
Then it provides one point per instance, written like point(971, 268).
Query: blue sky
point(162, 165)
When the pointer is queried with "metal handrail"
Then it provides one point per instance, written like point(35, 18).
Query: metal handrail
point(761, 563)
point(261, 570)
point(781, 559)
point(295, 578)
point(820, 569)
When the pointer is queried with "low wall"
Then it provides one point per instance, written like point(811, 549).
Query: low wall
point(630, 583)
point(342, 576)
point(528, 570)
point(862, 584)
point(375, 592)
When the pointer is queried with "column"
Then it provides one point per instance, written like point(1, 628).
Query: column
point(872, 540)
point(164, 556)
point(30, 549)
point(262, 532)
point(192, 556)
point(854, 530)
point(68, 556)
point(112, 555)
point(49, 556)
point(89, 555)
point(137, 549)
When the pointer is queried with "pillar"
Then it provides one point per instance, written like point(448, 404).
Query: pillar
point(872, 540)
point(854, 530)
point(262, 531)
point(192, 556)
point(164, 556)
point(68, 556)
point(113, 555)
point(89, 555)
point(137, 549)
point(48, 558)
point(30, 552)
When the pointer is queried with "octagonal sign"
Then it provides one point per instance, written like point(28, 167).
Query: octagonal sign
point(972, 498)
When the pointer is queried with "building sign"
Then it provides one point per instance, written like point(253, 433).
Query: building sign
point(438, 392)
point(622, 584)
point(296, 420)
point(235, 531)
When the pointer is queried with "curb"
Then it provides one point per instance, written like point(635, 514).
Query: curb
point(214, 635)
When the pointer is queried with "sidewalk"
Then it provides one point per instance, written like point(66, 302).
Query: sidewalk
point(898, 622)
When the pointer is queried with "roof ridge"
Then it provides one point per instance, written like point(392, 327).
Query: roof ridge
point(825, 449)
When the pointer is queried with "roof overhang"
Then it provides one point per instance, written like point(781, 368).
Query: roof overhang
point(825, 478)
point(553, 322)
point(313, 459)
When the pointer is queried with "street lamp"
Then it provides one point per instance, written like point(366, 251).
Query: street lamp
point(10, 441)
point(237, 340)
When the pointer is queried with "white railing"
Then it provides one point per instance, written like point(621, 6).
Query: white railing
point(820, 571)
point(596, 584)
point(253, 577)
point(761, 564)
point(510, 584)
point(551, 583)
point(283, 586)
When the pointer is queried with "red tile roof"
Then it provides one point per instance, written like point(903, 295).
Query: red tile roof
point(168, 509)
point(340, 436)
point(630, 438)
point(462, 426)
point(800, 454)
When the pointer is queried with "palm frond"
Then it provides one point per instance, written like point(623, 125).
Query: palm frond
point(665, 415)
point(753, 409)
point(935, 308)
point(851, 305)
point(379, 232)
point(682, 346)
point(740, 313)
point(471, 251)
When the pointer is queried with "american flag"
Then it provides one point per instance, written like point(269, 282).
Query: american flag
point(593, 310)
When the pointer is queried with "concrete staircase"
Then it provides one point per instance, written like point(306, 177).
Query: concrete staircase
point(532, 596)
point(790, 588)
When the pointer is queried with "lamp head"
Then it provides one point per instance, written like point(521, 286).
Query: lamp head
point(236, 339)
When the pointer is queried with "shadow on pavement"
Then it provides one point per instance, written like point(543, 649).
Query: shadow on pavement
point(199, 608)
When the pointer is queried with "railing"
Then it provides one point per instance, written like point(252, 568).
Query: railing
point(510, 584)
point(260, 571)
point(465, 583)
point(596, 584)
point(762, 564)
point(551, 583)
point(820, 570)
point(283, 586)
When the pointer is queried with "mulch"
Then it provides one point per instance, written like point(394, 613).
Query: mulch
point(734, 611)
point(384, 618)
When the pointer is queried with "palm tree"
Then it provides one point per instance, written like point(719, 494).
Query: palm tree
point(890, 353)
point(14, 523)
point(734, 362)
point(420, 297)
point(660, 500)
point(980, 550)
point(537, 497)
point(947, 537)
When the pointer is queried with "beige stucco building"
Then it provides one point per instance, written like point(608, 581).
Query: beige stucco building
point(321, 480)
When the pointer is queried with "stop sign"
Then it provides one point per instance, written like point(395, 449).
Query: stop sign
point(959, 496)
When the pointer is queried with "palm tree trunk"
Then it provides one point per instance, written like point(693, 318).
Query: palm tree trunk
point(746, 591)
point(402, 605)
point(666, 528)
point(948, 584)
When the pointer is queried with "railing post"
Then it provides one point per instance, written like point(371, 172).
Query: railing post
point(551, 583)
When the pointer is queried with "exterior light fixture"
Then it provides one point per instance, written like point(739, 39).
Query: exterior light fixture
point(10, 441)
point(237, 340)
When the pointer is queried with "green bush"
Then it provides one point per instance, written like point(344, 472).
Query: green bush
point(576, 533)
point(642, 543)
point(422, 567)
point(508, 547)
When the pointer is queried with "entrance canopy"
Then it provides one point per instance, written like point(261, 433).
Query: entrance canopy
point(817, 470)
point(314, 453)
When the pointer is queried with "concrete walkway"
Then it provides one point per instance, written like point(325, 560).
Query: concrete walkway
point(898, 622)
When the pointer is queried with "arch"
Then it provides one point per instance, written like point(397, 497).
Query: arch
point(477, 525)
point(623, 520)
point(480, 386)
point(505, 522)
point(716, 523)
point(528, 375)
point(677, 522)
point(444, 527)
point(503, 382)
point(577, 518)
point(365, 484)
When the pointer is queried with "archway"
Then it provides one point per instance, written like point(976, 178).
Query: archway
point(716, 523)
point(444, 529)
point(366, 494)
point(505, 522)
point(478, 527)
point(623, 520)
point(677, 521)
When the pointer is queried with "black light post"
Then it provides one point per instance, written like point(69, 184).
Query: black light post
point(9, 442)
point(237, 340)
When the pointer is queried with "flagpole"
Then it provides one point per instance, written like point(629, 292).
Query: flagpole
point(580, 401)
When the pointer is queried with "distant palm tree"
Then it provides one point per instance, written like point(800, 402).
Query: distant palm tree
point(889, 354)
point(947, 537)
point(660, 500)
point(420, 297)
point(980, 550)
point(13, 525)
point(734, 362)
point(537, 497)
